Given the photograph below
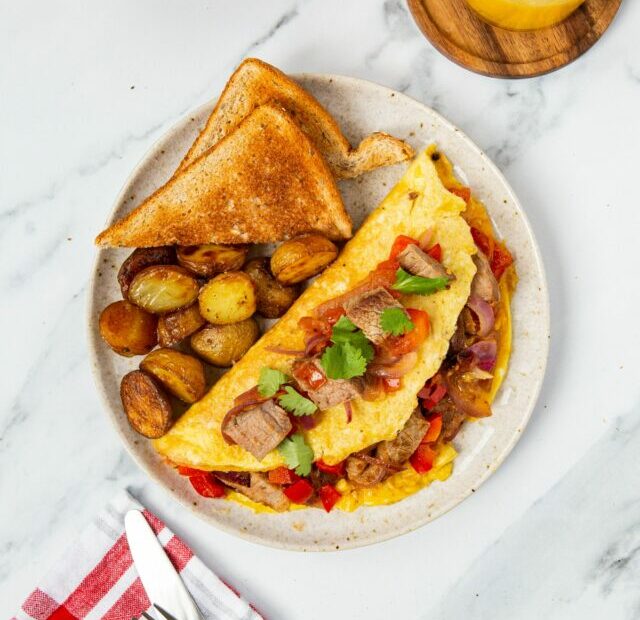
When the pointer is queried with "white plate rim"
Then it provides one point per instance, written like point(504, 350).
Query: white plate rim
point(93, 337)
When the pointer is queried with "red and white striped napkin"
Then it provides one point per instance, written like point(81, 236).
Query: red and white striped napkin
point(96, 577)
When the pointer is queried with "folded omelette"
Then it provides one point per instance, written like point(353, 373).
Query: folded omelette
point(418, 202)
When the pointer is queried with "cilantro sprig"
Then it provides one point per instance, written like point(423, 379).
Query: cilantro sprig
point(395, 321)
point(350, 352)
point(417, 285)
point(270, 381)
point(297, 454)
point(296, 403)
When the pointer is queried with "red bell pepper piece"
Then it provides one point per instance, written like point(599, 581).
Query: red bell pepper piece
point(433, 392)
point(501, 260)
point(435, 428)
point(299, 492)
point(484, 242)
point(332, 315)
point(309, 374)
point(435, 252)
point(329, 496)
point(337, 469)
point(400, 345)
point(422, 459)
point(463, 192)
point(189, 471)
point(207, 486)
point(282, 475)
point(400, 244)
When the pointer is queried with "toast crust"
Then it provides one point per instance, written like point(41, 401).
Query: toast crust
point(256, 83)
point(262, 183)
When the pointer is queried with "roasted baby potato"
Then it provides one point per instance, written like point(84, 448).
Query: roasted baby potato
point(181, 374)
point(228, 298)
point(301, 258)
point(176, 326)
point(208, 260)
point(140, 259)
point(222, 345)
point(127, 329)
point(163, 288)
point(147, 406)
point(272, 298)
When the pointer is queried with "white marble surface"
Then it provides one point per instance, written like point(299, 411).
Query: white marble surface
point(85, 89)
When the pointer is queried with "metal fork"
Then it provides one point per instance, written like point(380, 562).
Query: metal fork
point(163, 612)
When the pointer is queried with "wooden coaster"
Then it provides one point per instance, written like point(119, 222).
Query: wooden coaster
point(462, 36)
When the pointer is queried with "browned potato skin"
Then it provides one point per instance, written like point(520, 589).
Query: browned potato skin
point(301, 258)
point(272, 298)
point(140, 259)
point(163, 288)
point(127, 329)
point(222, 345)
point(208, 260)
point(181, 374)
point(176, 326)
point(228, 298)
point(147, 407)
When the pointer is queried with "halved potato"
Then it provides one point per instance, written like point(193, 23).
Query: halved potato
point(164, 288)
point(176, 326)
point(301, 258)
point(147, 407)
point(228, 298)
point(272, 298)
point(181, 374)
point(127, 329)
point(141, 259)
point(210, 259)
point(222, 345)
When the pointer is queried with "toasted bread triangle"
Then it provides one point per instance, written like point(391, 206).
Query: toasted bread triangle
point(255, 83)
point(262, 183)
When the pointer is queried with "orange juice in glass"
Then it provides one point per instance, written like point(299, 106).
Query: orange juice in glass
point(524, 14)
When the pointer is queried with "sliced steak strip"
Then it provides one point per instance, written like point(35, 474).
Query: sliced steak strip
point(258, 489)
point(419, 263)
point(259, 429)
point(484, 283)
point(364, 470)
point(452, 418)
point(333, 392)
point(398, 450)
point(365, 309)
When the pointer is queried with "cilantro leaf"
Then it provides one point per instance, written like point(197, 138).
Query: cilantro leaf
point(395, 321)
point(296, 403)
point(407, 283)
point(297, 454)
point(344, 323)
point(344, 331)
point(270, 381)
point(343, 361)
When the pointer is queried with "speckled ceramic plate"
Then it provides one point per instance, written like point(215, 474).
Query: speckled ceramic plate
point(360, 108)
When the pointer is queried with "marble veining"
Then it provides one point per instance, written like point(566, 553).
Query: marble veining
point(86, 88)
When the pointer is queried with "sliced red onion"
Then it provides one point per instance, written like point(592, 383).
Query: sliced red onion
point(282, 351)
point(396, 370)
point(483, 352)
point(313, 342)
point(484, 312)
point(349, 411)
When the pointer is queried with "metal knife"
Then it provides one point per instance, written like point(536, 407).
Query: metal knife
point(161, 582)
